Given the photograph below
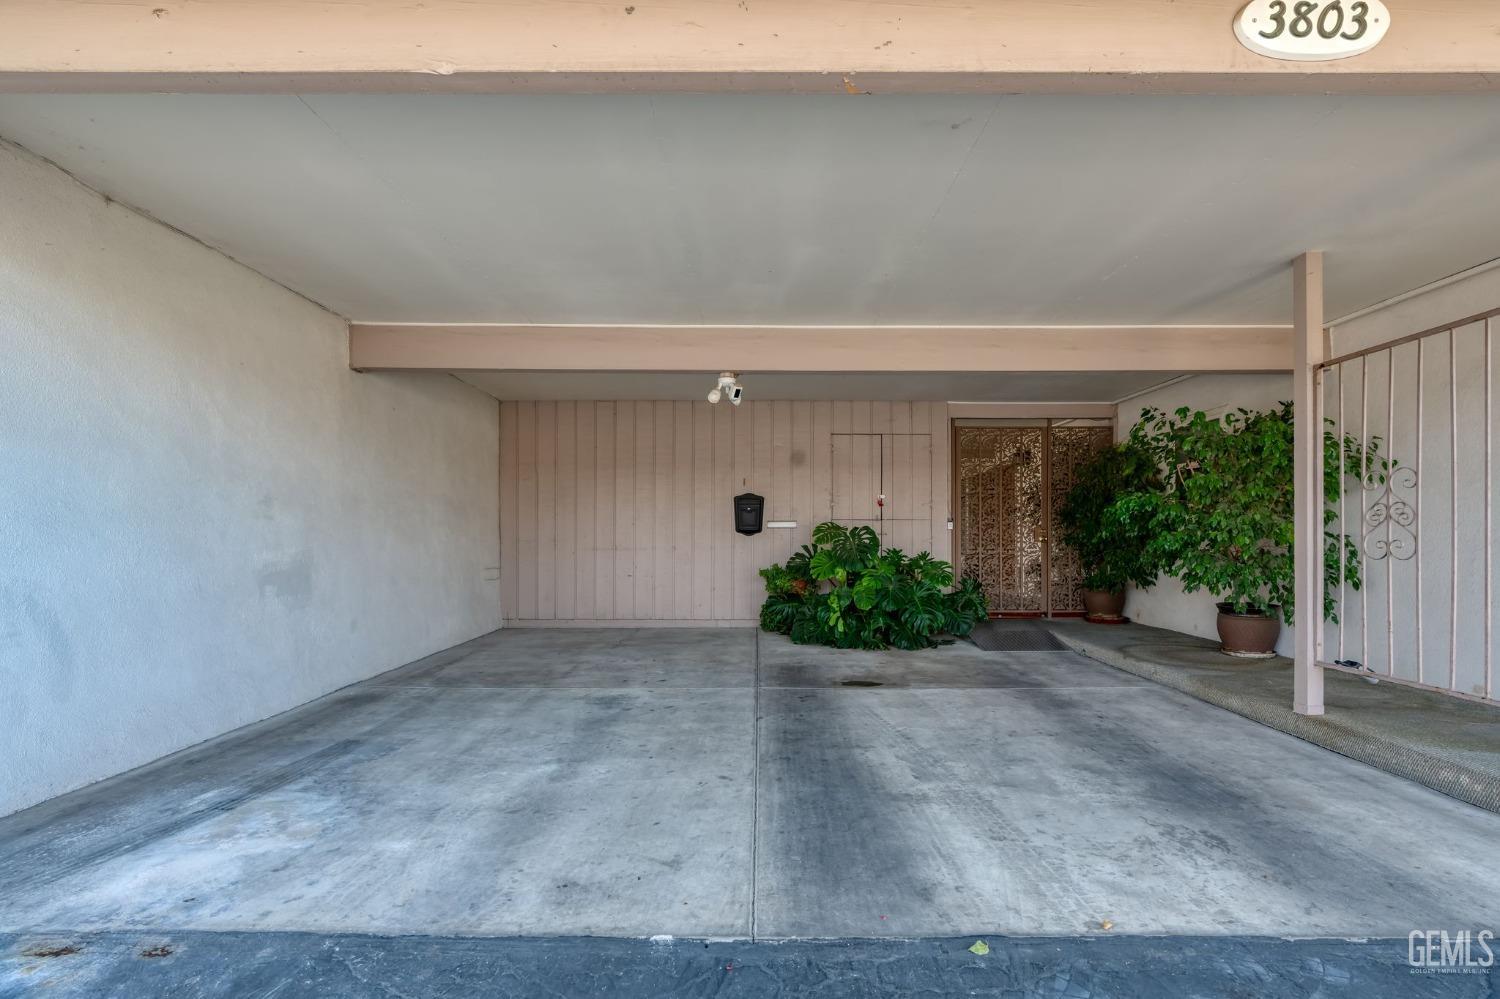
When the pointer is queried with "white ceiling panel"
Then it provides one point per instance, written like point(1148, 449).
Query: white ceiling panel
point(749, 209)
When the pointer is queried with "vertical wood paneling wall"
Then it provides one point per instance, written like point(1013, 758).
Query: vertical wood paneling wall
point(620, 511)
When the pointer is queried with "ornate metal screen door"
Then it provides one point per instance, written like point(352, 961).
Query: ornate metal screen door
point(1011, 481)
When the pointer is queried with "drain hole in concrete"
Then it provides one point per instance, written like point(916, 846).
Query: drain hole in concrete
point(63, 951)
point(860, 683)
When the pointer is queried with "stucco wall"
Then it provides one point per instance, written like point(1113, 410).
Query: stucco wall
point(205, 517)
point(1165, 605)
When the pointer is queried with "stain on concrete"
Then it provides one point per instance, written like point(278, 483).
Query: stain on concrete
point(1085, 801)
point(18, 876)
point(50, 950)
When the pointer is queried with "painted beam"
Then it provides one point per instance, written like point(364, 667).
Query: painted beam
point(1030, 410)
point(375, 347)
point(818, 46)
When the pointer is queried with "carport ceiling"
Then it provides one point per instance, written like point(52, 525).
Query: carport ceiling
point(779, 209)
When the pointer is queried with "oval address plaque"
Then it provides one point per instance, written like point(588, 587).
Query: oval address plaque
point(1310, 30)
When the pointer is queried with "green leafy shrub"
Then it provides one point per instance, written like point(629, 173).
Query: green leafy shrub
point(1223, 519)
point(1113, 540)
point(844, 591)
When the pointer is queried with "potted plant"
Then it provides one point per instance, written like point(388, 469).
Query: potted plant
point(1223, 520)
point(1112, 539)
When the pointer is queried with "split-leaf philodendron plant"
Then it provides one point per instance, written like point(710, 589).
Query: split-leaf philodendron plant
point(844, 590)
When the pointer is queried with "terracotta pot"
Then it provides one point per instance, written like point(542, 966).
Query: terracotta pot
point(1104, 605)
point(1249, 636)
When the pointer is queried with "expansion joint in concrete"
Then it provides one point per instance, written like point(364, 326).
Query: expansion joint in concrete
point(755, 788)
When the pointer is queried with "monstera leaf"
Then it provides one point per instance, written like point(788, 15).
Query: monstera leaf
point(853, 547)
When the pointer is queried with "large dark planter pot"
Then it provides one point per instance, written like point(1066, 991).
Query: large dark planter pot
point(1249, 636)
point(1104, 605)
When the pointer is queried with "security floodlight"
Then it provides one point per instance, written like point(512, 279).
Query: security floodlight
point(728, 384)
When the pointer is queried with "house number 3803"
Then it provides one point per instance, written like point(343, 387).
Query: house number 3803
point(1312, 29)
point(1305, 17)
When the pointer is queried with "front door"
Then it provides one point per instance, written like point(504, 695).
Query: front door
point(1012, 477)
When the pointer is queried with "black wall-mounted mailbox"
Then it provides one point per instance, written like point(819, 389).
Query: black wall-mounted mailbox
point(749, 509)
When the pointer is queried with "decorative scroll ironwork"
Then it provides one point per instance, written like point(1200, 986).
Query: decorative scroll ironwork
point(1005, 515)
point(1070, 448)
point(1000, 483)
point(1430, 622)
point(1390, 521)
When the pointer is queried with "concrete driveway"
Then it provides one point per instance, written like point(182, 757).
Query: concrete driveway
point(616, 782)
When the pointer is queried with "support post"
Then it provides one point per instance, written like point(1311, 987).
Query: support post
point(1309, 348)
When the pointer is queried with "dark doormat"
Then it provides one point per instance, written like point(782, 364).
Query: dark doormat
point(1015, 635)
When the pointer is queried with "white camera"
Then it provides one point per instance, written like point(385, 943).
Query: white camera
point(729, 385)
